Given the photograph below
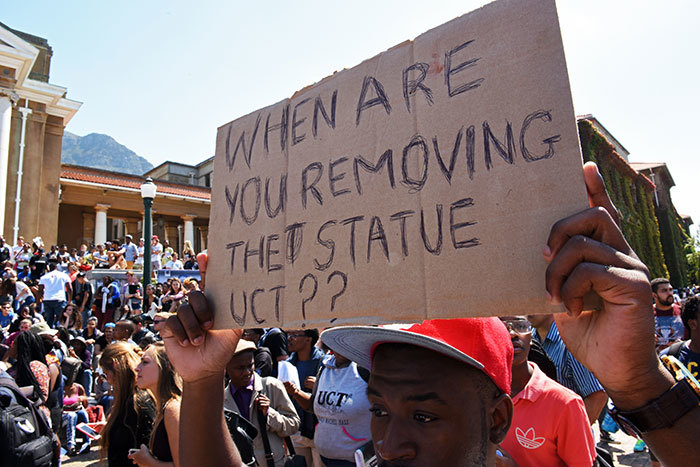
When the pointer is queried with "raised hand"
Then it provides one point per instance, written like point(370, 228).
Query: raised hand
point(587, 252)
point(196, 351)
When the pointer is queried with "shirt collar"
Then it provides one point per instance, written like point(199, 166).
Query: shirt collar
point(534, 387)
point(248, 388)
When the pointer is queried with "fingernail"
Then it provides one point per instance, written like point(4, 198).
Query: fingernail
point(547, 251)
point(549, 297)
point(184, 343)
point(198, 340)
point(207, 324)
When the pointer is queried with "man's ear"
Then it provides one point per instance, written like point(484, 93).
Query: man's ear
point(501, 415)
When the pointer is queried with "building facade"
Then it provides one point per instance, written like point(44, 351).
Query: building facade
point(99, 205)
point(33, 116)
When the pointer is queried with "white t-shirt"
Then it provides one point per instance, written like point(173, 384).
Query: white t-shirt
point(139, 258)
point(22, 291)
point(55, 285)
point(177, 264)
point(156, 251)
point(342, 408)
point(287, 372)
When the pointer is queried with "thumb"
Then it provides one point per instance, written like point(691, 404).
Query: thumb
point(597, 193)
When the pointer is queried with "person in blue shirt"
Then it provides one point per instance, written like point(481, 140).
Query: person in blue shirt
point(570, 372)
point(688, 352)
point(307, 358)
point(7, 315)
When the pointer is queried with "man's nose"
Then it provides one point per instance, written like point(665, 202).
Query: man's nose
point(396, 443)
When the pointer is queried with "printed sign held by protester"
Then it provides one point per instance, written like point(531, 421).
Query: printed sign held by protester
point(421, 183)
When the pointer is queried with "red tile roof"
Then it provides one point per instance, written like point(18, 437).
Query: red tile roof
point(122, 180)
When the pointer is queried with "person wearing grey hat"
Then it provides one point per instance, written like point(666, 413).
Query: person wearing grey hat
point(262, 401)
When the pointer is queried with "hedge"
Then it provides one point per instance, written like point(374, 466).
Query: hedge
point(633, 195)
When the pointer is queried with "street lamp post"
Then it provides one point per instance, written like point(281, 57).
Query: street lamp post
point(148, 193)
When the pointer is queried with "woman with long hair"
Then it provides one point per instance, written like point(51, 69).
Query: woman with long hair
point(31, 368)
point(151, 306)
point(189, 257)
point(132, 410)
point(156, 375)
point(71, 319)
point(171, 300)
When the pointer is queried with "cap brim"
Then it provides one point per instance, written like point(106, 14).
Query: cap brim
point(50, 332)
point(358, 342)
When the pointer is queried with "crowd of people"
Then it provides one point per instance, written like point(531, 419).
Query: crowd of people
point(164, 388)
point(30, 260)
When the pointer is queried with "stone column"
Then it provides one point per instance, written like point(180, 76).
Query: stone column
point(101, 223)
point(5, 121)
point(189, 228)
point(204, 233)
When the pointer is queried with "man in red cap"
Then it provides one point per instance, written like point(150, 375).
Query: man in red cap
point(587, 252)
point(431, 381)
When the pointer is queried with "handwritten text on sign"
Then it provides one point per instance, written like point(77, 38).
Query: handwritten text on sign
point(420, 183)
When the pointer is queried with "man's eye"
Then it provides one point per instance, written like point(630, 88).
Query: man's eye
point(423, 418)
point(378, 412)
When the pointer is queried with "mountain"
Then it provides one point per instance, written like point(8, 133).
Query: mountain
point(102, 152)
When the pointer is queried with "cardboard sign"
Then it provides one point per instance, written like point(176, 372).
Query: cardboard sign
point(421, 183)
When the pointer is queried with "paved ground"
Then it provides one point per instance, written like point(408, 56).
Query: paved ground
point(622, 452)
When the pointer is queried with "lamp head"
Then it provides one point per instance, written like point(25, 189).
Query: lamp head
point(148, 189)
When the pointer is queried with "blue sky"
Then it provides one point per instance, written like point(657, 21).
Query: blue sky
point(160, 77)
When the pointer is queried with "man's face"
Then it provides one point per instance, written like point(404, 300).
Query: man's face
point(664, 295)
point(121, 333)
point(6, 308)
point(25, 325)
point(240, 369)
point(109, 334)
point(297, 341)
point(538, 320)
point(520, 337)
point(429, 410)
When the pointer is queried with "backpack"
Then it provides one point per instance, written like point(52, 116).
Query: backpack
point(26, 440)
point(674, 350)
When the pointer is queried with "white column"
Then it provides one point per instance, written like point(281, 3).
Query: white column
point(189, 228)
point(5, 122)
point(101, 223)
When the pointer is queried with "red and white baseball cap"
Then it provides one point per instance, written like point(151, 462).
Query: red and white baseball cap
point(483, 343)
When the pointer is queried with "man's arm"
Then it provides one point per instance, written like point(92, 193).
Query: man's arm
point(587, 252)
point(282, 417)
point(85, 299)
point(69, 289)
point(204, 439)
point(200, 355)
point(594, 403)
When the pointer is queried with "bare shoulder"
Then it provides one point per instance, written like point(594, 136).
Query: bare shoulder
point(172, 410)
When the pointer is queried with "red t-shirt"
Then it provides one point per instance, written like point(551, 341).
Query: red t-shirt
point(550, 426)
